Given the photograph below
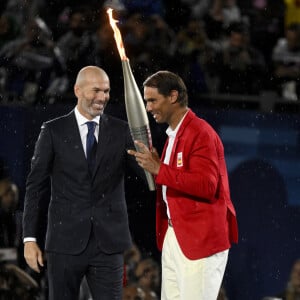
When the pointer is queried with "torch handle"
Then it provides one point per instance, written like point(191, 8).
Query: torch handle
point(143, 134)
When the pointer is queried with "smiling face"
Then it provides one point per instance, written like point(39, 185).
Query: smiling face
point(158, 105)
point(164, 109)
point(92, 91)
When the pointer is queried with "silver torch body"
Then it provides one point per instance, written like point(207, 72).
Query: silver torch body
point(137, 115)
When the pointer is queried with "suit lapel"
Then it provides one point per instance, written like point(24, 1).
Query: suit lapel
point(73, 136)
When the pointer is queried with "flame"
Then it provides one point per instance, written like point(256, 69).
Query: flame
point(117, 35)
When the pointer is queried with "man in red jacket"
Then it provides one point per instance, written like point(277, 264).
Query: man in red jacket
point(195, 218)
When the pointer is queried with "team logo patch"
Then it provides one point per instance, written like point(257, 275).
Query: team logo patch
point(179, 159)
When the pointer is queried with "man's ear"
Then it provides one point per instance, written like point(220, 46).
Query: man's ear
point(76, 90)
point(174, 96)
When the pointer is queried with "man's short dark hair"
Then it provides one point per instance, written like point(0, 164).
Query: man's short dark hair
point(165, 82)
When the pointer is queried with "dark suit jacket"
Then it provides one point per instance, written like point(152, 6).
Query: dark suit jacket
point(78, 200)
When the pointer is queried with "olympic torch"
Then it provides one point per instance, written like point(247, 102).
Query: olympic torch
point(135, 109)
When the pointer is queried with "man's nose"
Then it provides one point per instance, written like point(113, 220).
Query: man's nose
point(148, 107)
point(101, 95)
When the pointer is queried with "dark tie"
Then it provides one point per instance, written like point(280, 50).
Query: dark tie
point(91, 145)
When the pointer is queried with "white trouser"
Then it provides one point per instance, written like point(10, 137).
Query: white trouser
point(185, 279)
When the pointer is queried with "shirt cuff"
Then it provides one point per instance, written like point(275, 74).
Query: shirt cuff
point(29, 239)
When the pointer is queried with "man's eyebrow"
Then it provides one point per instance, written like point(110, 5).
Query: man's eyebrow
point(149, 99)
point(99, 89)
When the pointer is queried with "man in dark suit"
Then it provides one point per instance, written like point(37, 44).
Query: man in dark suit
point(87, 230)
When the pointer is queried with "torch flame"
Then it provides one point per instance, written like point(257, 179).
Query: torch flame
point(117, 35)
point(135, 108)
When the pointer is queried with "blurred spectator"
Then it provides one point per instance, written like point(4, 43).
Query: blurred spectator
point(241, 66)
point(198, 9)
point(226, 12)
point(196, 55)
point(131, 258)
point(107, 56)
point(10, 235)
point(286, 63)
point(117, 5)
point(31, 61)
point(220, 16)
point(291, 12)
point(162, 37)
point(11, 246)
point(76, 45)
point(24, 11)
point(57, 13)
point(265, 25)
point(151, 295)
point(136, 34)
point(9, 29)
point(133, 292)
point(159, 49)
point(17, 284)
point(14, 282)
point(147, 275)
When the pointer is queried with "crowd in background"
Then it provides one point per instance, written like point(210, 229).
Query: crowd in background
point(217, 46)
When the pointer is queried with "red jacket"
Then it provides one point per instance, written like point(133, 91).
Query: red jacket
point(203, 216)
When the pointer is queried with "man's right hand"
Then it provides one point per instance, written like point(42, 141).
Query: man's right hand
point(33, 256)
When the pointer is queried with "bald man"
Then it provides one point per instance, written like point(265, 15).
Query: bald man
point(87, 230)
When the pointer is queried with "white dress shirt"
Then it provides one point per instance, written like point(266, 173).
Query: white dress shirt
point(171, 134)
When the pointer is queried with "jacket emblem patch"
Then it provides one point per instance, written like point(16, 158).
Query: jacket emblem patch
point(179, 159)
